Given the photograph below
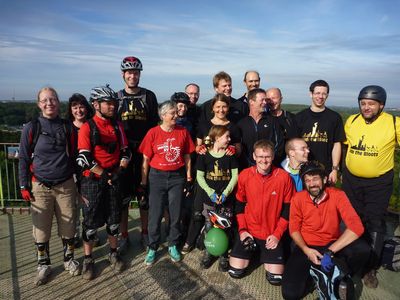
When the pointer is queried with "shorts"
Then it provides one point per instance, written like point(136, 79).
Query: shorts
point(267, 256)
point(104, 203)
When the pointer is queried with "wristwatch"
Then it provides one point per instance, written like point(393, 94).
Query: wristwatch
point(336, 168)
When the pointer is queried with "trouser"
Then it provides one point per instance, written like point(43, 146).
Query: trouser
point(296, 276)
point(196, 221)
point(59, 200)
point(165, 190)
point(370, 198)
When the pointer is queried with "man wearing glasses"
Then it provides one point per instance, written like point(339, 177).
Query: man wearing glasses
point(322, 129)
point(262, 212)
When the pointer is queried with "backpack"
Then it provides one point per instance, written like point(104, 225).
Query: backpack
point(36, 131)
point(328, 285)
point(95, 139)
point(391, 254)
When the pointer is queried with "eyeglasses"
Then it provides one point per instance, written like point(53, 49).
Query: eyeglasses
point(320, 94)
point(48, 100)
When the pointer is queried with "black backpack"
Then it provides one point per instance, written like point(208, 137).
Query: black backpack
point(95, 139)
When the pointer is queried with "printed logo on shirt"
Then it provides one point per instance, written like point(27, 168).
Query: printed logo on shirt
point(171, 153)
point(362, 149)
point(218, 173)
point(273, 193)
point(316, 135)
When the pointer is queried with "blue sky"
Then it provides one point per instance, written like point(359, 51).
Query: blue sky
point(76, 45)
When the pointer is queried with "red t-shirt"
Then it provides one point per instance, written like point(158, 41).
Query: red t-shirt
point(166, 149)
point(320, 224)
point(264, 196)
point(107, 135)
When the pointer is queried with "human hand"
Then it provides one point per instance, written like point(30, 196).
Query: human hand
point(214, 197)
point(326, 262)
point(201, 149)
point(271, 242)
point(26, 195)
point(231, 150)
point(313, 255)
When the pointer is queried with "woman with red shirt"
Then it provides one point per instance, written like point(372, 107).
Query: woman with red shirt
point(166, 154)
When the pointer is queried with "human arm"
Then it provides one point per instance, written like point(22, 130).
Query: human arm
point(336, 154)
point(346, 238)
point(145, 170)
point(232, 182)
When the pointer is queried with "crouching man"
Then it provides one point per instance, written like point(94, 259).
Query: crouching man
point(314, 225)
point(262, 211)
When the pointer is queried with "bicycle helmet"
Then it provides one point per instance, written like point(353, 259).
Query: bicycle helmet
point(313, 168)
point(373, 92)
point(218, 220)
point(131, 63)
point(103, 93)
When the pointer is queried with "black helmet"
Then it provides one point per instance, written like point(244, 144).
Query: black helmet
point(312, 167)
point(103, 93)
point(373, 92)
point(180, 97)
point(131, 63)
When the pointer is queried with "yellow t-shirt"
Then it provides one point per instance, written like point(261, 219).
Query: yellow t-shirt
point(370, 150)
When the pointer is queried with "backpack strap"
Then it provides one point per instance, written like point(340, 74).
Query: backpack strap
point(36, 129)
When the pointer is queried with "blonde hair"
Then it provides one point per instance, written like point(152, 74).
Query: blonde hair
point(47, 88)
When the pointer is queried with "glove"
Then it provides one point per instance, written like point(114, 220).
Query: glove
point(326, 261)
point(222, 198)
point(142, 194)
point(249, 244)
point(26, 195)
point(188, 188)
point(231, 150)
point(214, 197)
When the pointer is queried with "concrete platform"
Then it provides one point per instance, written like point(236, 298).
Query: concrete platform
point(163, 280)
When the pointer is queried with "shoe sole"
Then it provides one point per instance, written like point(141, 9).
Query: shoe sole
point(175, 260)
point(147, 263)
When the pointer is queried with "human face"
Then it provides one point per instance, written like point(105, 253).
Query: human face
point(193, 92)
point(300, 152)
point(319, 97)
point(252, 81)
point(263, 158)
point(220, 110)
point(105, 108)
point(169, 118)
point(370, 109)
point(274, 99)
point(78, 111)
point(257, 106)
point(131, 78)
point(182, 109)
point(224, 87)
point(49, 104)
point(314, 184)
point(223, 140)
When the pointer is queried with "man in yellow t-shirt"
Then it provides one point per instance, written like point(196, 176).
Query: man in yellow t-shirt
point(371, 138)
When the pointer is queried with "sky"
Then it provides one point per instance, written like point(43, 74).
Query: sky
point(74, 46)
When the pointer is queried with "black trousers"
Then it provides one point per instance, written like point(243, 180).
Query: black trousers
point(296, 276)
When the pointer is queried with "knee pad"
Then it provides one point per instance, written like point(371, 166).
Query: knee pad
point(112, 229)
point(88, 234)
point(197, 216)
point(236, 273)
point(273, 279)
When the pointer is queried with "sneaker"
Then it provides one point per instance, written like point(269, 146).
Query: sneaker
point(43, 273)
point(223, 264)
point(207, 260)
point(174, 253)
point(88, 271)
point(116, 262)
point(123, 244)
point(186, 249)
point(150, 257)
point(370, 280)
point(73, 267)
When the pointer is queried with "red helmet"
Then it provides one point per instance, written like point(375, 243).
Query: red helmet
point(131, 63)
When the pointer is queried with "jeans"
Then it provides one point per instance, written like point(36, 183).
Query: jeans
point(165, 190)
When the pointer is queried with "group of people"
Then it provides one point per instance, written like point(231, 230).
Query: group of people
point(268, 174)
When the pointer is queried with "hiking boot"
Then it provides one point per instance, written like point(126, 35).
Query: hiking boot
point(116, 262)
point(186, 249)
point(150, 257)
point(370, 280)
point(174, 253)
point(123, 244)
point(43, 273)
point(88, 271)
point(207, 260)
point(73, 267)
point(223, 264)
